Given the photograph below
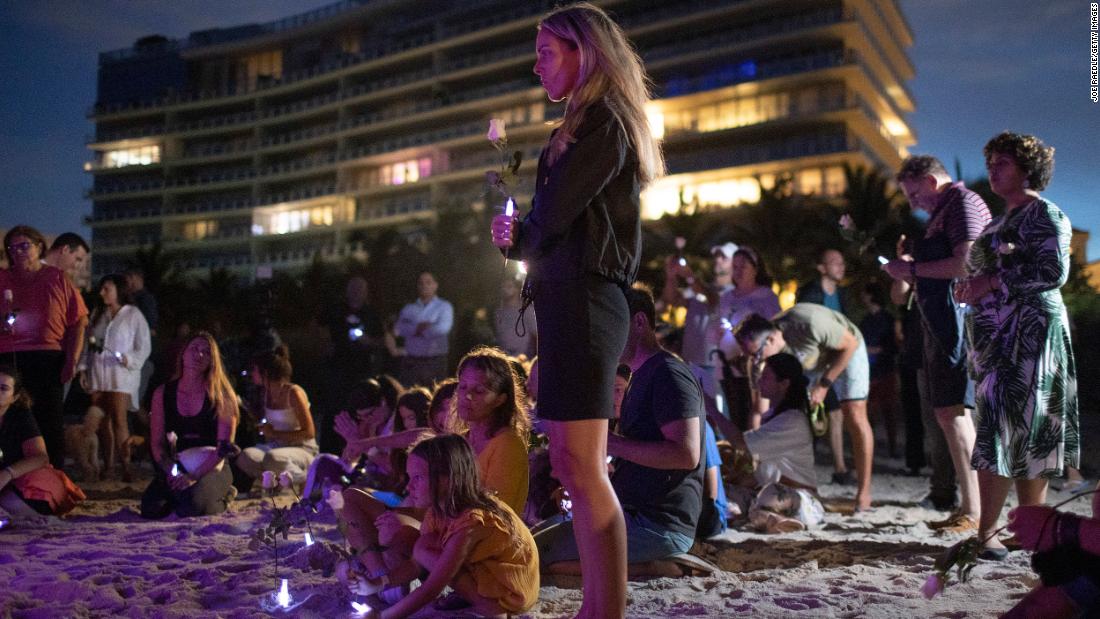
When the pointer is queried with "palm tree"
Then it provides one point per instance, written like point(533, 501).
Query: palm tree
point(157, 265)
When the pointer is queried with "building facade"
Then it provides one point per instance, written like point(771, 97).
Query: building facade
point(267, 145)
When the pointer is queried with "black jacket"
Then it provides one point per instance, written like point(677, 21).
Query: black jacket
point(586, 217)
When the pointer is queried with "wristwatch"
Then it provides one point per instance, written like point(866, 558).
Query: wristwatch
point(825, 382)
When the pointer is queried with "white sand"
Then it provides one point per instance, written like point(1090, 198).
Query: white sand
point(104, 561)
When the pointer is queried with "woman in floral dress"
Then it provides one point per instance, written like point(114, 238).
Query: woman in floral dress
point(1020, 357)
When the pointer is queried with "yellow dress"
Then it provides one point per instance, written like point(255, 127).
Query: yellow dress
point(505, 571)
point(502, 465)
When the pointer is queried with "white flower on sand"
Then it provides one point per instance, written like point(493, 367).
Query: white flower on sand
point(268, 480)
point(846, 222)
point(496, 130)
point(933, 586)
point(335, 499)
point(1006, 248)
point(285, 480)
point(172, 438)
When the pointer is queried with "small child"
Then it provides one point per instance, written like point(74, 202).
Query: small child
point(469, 539)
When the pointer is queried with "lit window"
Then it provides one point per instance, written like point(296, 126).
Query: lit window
point(196, 230)
point(406, 171)
point(140, 155)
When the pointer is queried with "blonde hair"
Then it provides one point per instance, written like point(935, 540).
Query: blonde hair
point(610, 71)
point(218, 387)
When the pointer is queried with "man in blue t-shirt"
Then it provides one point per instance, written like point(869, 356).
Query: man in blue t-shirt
point(658, 457)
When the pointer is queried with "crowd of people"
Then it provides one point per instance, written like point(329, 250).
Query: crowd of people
point(623, 441)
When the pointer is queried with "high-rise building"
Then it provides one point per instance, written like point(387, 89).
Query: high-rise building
point(266, 144)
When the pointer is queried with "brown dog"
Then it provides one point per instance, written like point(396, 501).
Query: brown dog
point(82, 443)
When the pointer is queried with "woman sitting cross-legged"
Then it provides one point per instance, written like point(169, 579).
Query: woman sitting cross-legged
point(487, 402)
point(786, 483)
point(290, 442)
point(199, 410)
point(470, 540)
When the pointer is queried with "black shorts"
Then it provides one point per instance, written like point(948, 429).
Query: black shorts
point(948, 381)
point(582, 326)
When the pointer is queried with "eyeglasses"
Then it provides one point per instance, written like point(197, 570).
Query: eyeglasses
point(23, 246)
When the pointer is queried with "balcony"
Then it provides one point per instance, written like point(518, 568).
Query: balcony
point(116, 189)
point(729, 156)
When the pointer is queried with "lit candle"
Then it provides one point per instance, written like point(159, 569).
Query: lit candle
point(283, 598)
point(360, 607)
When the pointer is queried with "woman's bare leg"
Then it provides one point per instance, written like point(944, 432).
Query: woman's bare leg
point(360, 510)
point(106, 434)
point(993, 490)
point(119, 404)
point(578, 456)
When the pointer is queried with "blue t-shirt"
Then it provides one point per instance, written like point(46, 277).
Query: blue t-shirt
point(714, 460)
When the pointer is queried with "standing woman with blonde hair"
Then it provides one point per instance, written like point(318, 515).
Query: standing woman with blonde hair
point(582, 244)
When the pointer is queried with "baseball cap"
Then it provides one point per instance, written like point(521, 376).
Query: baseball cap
point(727, 249)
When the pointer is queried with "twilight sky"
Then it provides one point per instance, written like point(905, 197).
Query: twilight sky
point(982, 66)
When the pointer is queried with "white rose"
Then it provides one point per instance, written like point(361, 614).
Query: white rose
point(268, 480)
point(496, 130)
point(285, 480)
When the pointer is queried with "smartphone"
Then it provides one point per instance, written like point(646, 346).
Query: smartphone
point(883, 260)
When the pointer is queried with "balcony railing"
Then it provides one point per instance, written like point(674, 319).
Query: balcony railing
point(735, 36)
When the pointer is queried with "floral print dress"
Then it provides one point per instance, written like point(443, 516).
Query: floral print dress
point(1020, 354)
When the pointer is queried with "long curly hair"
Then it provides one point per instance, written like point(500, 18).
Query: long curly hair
point(494, 364)
point(1032, 156)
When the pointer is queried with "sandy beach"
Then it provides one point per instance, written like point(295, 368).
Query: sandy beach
point(103, 560)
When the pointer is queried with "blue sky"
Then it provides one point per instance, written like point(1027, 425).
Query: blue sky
point(982, 66)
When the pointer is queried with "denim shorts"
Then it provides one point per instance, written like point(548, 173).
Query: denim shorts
point(854, 383)
point(645, 541)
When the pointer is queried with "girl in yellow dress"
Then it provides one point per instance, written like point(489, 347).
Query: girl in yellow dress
point(469, 539)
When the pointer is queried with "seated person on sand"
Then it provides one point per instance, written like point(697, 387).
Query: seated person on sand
point(290, 442)
point(29, 486)
point(1067, 557)
point(374, 402)
point(193, 421)
point(785, 485)
point(487, 403)
point(657, 454)
point(469, 540)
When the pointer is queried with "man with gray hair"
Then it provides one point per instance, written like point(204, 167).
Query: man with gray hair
point(930, 267)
